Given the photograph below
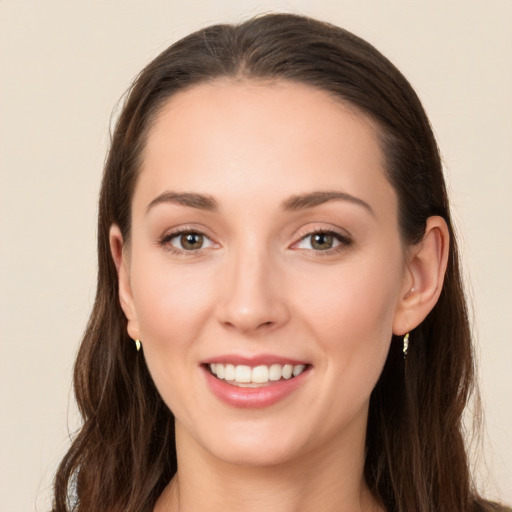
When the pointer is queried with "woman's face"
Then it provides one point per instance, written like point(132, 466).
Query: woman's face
point(264, 243)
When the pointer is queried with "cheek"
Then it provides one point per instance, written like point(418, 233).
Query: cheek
point(352, 312)
point(173, 307)
point(172, 304)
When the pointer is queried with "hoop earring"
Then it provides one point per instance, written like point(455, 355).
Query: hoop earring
point(405, 348)
point(138, 345)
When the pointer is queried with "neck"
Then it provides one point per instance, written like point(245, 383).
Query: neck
point(327, 480)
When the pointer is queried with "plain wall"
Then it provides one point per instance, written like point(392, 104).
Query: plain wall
point(63, 66)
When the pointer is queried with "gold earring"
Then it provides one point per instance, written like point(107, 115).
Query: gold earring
point(406, 345)
point(138, 344)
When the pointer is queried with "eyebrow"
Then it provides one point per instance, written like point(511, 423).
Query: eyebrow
point(293, 203)
point(190, 199)
point(317, 198)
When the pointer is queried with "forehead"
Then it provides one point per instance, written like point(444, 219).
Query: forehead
point(261, 137)
point(263, 107)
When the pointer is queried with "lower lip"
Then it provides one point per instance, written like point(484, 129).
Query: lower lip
point(254, 398)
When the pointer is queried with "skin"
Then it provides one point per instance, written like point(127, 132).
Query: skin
point(257, 286)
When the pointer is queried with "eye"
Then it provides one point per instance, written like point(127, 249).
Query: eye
point(323, 241)
point(186, 241)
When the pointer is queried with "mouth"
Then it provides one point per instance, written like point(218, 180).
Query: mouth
point(250, 383)
point(255, 376)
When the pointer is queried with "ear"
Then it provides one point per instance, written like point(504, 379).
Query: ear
point(120, 255)
point(426, 268)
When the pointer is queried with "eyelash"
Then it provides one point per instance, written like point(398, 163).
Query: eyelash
point(165, 240)
point(343, 240)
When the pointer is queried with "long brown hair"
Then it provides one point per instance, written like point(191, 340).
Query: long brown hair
point(124, 454)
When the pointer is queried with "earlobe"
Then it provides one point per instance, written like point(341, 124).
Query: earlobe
point(426, 269)
point(119, 255)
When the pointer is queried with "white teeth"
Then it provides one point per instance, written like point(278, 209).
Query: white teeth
point(297, 370)
point(229, 371)
point(220, 371)
point(274, 372)
point(242, 373)
point(258, 375)
point(287, 371)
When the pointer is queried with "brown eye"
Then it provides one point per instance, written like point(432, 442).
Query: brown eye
point(187, 242)
point(191, 241)
point(322, 241)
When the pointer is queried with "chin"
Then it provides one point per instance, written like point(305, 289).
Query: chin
point(249, 445)
point(255, 454)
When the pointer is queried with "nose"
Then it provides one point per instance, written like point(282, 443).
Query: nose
point(254, 296)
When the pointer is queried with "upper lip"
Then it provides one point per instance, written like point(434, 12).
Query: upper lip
point(255, 360)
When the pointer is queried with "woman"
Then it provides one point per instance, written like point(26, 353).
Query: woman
point(279, 321)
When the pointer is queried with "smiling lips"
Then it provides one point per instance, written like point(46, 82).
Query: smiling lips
point(245, 376)
point(249, 386)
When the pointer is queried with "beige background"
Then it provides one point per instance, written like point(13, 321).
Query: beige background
point(63, 66)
